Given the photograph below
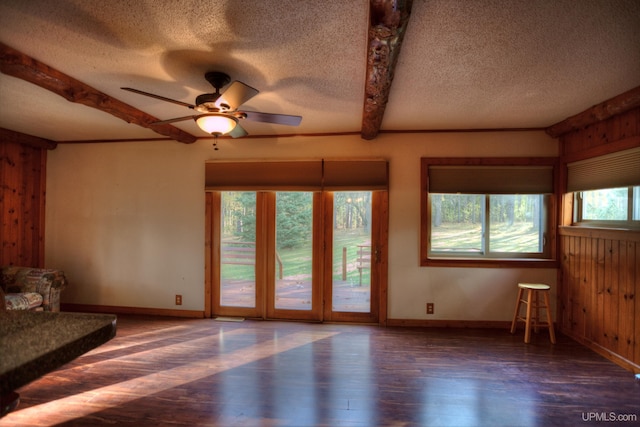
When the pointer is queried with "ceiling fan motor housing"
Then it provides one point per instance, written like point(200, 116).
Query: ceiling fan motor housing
point(206, 103)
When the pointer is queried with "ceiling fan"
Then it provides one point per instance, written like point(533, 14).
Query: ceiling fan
point(217, 113)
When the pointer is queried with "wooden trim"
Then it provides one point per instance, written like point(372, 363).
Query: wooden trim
point(600, 112)
point(311, 135)
point(109, 309)
point(17, 64)
point(265, 233)
point(381, 204)
point(327, 263)
point(472, 324)
point(607, 354)
point(7, 135)
point(388, 20)
point(318, 271)
point(490, 263)
point(600, 233)
point(208, 251)
point(489, 161)
point(213, 260)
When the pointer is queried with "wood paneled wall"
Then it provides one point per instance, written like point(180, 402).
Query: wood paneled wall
point(601, 279)
point(600, 268)
point(22, 201)
point(618, 133)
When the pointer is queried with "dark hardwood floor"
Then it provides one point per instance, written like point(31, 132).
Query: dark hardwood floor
point(185, 372)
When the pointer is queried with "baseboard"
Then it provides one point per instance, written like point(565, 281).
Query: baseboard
point(426, 323)
point(606, 353)
point(109, 309)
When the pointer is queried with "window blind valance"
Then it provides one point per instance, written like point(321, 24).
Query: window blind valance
point(621, 169)
point(304, 175)
point(355, 175)
point(472, 179)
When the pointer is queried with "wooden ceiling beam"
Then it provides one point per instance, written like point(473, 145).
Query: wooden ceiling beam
point(17, 64)
point(7, 135)
point(388, 21)
point(617, 105)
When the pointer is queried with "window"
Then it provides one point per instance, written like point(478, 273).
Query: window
point(606, 190)
point(489, 225)
point(487, 212)
point(609, 207)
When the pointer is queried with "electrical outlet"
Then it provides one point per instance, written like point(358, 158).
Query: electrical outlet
point(429, 308)
point(178, 299)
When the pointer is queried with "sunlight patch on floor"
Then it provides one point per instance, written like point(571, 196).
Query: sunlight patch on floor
point(84, 404)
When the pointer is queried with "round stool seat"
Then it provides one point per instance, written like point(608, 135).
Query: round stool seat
point(534, 286)
point(528, 296)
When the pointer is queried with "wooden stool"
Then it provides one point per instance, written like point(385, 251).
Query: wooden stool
point(533, 310)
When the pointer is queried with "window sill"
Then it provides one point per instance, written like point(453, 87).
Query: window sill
point(489, 263)
point(600, 232)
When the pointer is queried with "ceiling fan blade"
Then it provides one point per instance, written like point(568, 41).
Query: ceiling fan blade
point(238, 132)
point(177, 119)
point(278, 119)
point(235, 95)
point(161, 98)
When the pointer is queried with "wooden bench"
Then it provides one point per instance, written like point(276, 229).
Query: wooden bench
point(243, 253)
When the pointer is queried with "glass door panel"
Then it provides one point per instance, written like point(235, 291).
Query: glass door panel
point(352, 253)
point(293, 251)
point(238, 249)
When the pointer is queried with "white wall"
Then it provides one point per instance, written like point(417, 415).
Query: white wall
point(126, 220)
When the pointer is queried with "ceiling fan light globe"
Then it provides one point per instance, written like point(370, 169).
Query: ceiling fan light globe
point(216, 124)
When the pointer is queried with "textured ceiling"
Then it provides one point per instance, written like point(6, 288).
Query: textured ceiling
point(477, 64)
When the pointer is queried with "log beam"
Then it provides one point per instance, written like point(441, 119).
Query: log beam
point(7, 135)
point(617, 105)
point(388, 21)
point(17, 64)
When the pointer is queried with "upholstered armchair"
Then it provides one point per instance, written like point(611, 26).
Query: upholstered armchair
point(27, 288)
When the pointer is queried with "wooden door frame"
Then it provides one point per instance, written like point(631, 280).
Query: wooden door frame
point(322, 242)
point(379, 263)
point(212, 251)
point(315, 314)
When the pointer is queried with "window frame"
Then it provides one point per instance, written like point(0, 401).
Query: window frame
point(495, 260)
point(628, 224)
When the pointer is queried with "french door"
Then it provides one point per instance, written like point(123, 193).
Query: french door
point(311, 256)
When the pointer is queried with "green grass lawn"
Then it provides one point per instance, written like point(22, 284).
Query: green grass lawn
point(296, 262)
point(520, 237)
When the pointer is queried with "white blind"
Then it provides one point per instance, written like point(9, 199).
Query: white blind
point(469, 179)
point(621, 169)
